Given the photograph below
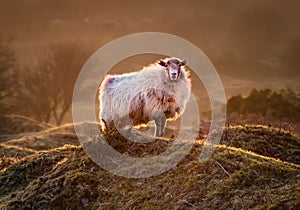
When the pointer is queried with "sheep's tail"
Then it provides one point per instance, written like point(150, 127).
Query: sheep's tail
point(106, 128)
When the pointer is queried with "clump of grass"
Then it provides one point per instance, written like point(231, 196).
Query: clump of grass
point(15, 151)
point(19, 175)
point(41, 140)
point(121, 144)
point(6, 162)
point(45, 141)
point(264, 140)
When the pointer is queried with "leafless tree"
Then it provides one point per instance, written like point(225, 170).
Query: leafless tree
point(46, 89)
point(7, 73)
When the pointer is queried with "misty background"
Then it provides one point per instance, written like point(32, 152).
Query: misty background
point(252, 44)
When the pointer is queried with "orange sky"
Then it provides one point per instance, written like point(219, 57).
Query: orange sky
point(251, 43)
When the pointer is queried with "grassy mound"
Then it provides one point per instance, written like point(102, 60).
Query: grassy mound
point(36, 173)
point(267, 141)
point(15, 151)
point(66, 178)
point(14, 124)
point(36, 141)
point(14, 147)
point(44, 142)
point(19, 175)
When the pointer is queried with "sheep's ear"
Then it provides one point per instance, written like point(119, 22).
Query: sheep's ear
point(184, 62)
point(162, 63)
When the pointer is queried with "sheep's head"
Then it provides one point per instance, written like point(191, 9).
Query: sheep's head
point(172, 67)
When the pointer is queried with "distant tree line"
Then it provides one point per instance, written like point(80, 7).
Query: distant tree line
point(44, 89)
point(282, 106)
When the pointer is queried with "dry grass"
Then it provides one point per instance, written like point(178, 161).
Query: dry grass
point(14, 124)
point(242, 176)
point(67, 178)
point(267, 141)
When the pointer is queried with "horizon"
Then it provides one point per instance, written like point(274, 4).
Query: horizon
point(252, 45)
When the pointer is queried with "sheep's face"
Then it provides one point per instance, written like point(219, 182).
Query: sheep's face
point(173, 68)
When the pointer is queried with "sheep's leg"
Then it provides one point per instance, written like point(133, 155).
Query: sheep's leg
point(106, 120)
point(160, 124)
point(107, 124)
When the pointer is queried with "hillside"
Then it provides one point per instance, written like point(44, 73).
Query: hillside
point(265, 141)
point(275, 108)
point(64, 177)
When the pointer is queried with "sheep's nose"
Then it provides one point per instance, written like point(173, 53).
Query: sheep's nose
point(173, 74)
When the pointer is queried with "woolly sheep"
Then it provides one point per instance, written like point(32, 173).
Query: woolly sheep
point(158, 92)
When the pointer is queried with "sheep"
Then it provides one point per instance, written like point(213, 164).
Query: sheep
point(159, 92)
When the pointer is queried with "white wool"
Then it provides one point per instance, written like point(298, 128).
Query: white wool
point(120, 95)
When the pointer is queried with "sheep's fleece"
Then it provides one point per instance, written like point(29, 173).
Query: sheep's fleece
point(158, 92)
